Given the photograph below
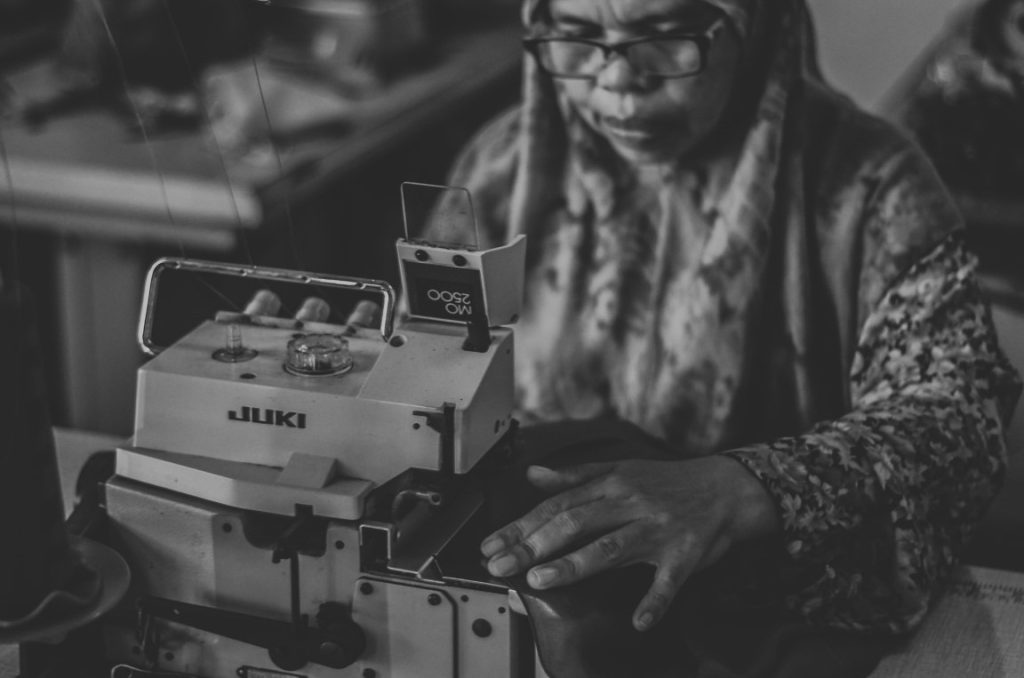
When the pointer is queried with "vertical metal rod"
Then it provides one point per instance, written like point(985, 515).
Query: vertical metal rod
point(296, 608)
point(448, 439)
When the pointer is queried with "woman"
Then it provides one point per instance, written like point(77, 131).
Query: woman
point(728, 254)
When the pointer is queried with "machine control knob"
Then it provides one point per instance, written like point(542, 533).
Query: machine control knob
point(233, 351)
point(318, 355)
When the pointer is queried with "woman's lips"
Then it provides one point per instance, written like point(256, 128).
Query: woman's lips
point(631, 129)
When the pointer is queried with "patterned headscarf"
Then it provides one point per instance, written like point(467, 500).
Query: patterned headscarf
point(664, 300)
point(657, 301)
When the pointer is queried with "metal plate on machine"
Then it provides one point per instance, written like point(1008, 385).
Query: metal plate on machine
point(410, 630)
point(253, 672)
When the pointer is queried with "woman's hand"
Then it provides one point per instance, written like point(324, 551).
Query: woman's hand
point(679, 516)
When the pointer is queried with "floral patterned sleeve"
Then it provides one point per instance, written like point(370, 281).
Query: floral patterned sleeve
point(877, 505)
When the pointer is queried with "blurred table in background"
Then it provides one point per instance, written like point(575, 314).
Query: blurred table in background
point(112, 201)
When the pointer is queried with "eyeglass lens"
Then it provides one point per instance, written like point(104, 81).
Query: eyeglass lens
point(666, 57)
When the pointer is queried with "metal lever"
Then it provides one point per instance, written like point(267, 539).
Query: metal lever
point(287, 547)
point(335, 642)
point(478, 334)
point(443, 422)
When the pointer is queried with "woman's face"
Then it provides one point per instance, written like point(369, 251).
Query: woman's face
point(648, 120)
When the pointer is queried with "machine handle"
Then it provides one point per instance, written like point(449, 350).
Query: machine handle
point(335, 642)
point(353, 284)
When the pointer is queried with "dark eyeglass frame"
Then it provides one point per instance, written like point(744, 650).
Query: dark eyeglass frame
point(703, 39)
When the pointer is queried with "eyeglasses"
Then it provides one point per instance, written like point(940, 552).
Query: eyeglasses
point(672, 55)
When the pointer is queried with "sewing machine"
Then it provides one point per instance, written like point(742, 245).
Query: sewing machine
point(302, 498)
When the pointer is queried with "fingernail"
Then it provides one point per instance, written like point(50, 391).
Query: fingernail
point(491, 546)
point(503, 566)
point(645, 621)
point(541, 576)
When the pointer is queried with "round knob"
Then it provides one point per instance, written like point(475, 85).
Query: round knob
point(318, 354)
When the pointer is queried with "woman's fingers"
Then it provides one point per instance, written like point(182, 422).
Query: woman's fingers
point(618, 547)
point(507, 538)
point(567, 479)
point(668, 579)
point(674, 515)
point(557, 480)
point(563, 531)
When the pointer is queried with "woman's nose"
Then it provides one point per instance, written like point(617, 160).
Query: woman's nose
point(619, 75)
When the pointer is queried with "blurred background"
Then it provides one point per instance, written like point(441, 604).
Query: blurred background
point(278, 133)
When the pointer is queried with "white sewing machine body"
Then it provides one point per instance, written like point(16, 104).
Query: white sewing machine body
point(331, 437)
point(286, 524)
